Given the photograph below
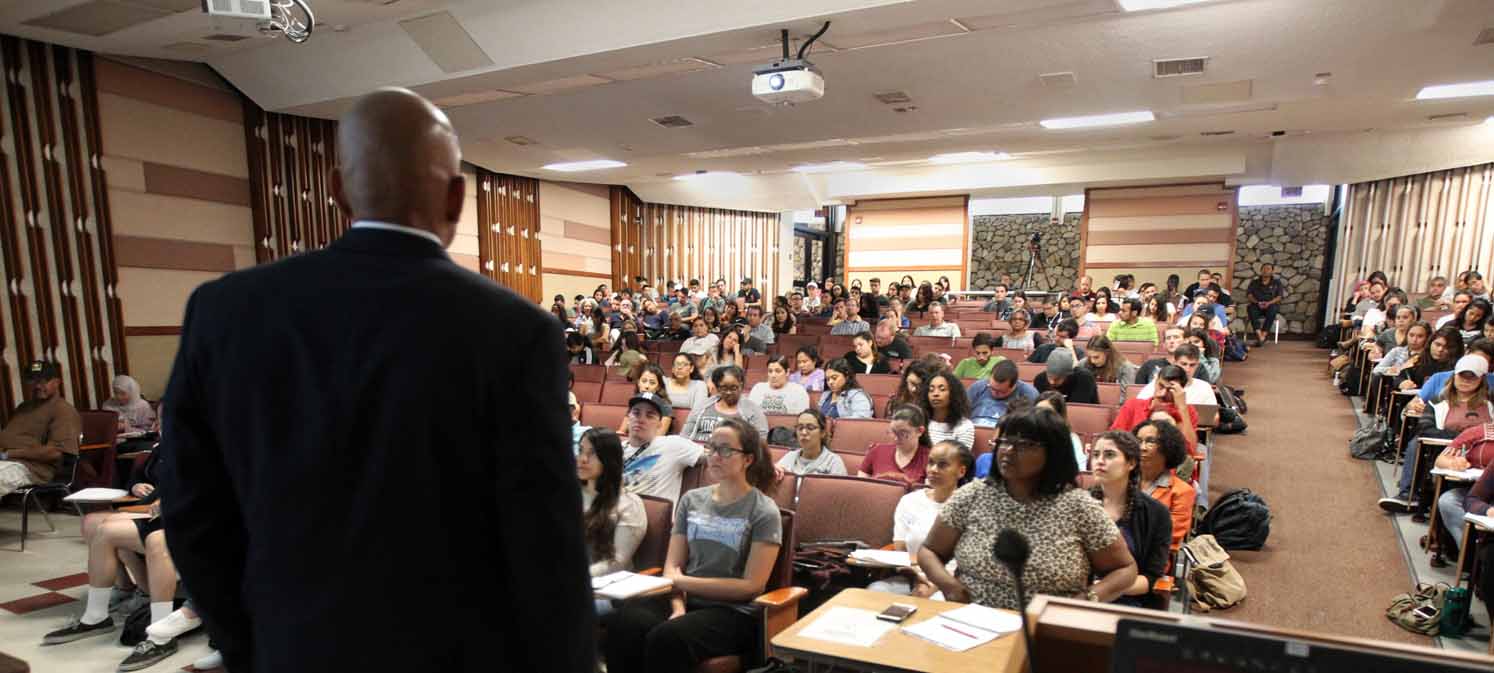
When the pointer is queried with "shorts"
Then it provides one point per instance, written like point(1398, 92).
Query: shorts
point(147, 526)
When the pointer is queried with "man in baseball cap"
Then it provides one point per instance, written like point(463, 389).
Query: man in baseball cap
point(1076, 385)
point(40, 431)
point(655, 465)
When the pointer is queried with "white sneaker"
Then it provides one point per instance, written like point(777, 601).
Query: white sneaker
point(175, 624)
point(213, 660)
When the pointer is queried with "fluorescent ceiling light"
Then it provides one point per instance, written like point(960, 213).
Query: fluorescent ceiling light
point(832, 166)
point(1091, 121)
point(1489, 121)
point(706, 175)
point(1466, 89)
point(593, 165)
point(1144, 5)
point(968, 157)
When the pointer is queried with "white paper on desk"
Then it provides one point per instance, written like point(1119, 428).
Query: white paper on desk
point(1470, 474)
point(1485, 521)
point(964, 628)
point(848, 626)
point(885, 557)
point(96, 495)
point(629, 586)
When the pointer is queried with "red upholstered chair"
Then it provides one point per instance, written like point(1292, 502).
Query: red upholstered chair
point(603, 415)
point(878, 384)
point(680, 416)
point(853, 435)
point(1110, 394)
point(832, 347)
point(1087, 419)
point(778, 608)
point(1143, 347)
point(983, 437)
point(788, 344)
point(847, 508)
point(659, 512)
point(1134, 357)
point(754, 377)
point(1014, 354)
point(814, 329)
point(96, 452)
point(785, 491)
point(758, 362)
point(852, 461)
point(782, 421)
point(592, 373)
point(588, 392)
point(617, 392)
point(1028, 371)
point(930, 344)
point(879, 405)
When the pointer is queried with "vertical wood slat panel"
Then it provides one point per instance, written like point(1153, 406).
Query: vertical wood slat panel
point(13, 232)
point(103, 225)
point(683, 242)
point(20, 123)
point(87, 273)
point(508, 245)
point(290, 161)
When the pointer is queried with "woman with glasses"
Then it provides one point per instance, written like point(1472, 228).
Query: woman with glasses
point(950, 466)
point(1115, 462)
point(1032, 492)
point(843, 397)
point(721, 554)
point(813, 455)
point(726, 403)
point(1162, 451)
point(907, 458)
point(685, 388)
point(612, 519)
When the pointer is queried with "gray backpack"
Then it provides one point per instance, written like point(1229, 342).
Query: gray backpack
point(1369, 442)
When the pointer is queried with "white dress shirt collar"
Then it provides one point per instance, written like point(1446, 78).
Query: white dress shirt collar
point(390, 226)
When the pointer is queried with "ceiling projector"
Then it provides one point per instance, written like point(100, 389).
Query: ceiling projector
point(790, 80)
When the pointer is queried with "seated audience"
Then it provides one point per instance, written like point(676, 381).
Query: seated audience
point(1055, 313)
point(654, 464)
point(1130, 325)
point(1200, 392)
point(1198, 322)
point(136, 417)
point(843, 397)
point(39, 431)
point(950, 466)
point(1460, 301)
point(849, 324)
point(576, 428)
point(759, 334)
point(650, 380)
point(1265, 293)
point(979, 365)
point(937, 326)
point(1462, 403)
point(1394, 336)
point(807, 370)
point(580, 349)
point(779, 395)
point(721, 555)
point(1018, 335)
point(1173, 337)
point(784, 321)
point(1209, 367)
point(1051, 401)
point(1433, 298)
point(1031, 491)
point(1162, 451)
point(1144, 523)
point(865, 357)
point(998, 303)
point(613, 520)
point(890, 343)
point(943, 402)
point(1402, 363)
point(906, 459)
point(1076, 385)
point(1169, 406)
point(1473, 448)
point(1106, 364)
point(1470, 321)
point(730, 352)
point(1063, 339)
point(897, 313)
point(813, 455)
point(726, 403)
point(685, 389)
point(990, 397)
point(1436, 382)
point(1103, 308)
point(702, 340)
point(911, 381)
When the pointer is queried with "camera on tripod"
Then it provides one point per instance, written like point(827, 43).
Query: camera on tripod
point(1037, 238)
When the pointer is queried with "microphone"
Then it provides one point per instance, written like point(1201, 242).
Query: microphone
point(1012, 550)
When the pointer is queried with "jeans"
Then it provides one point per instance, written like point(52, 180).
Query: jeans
point(1262, 319)
point(1450, 509)
point(1407, 474)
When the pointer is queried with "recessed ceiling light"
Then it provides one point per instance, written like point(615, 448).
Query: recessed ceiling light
point(592, 165)
point(1090, 121)
point(830, 167)
point(968, 157)
point(1466, 89)
point(1144, 5)
point(701, 175)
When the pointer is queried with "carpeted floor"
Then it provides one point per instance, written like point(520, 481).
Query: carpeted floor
point(1333, 560)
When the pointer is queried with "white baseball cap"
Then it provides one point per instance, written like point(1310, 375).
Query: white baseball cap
point(1472, 363)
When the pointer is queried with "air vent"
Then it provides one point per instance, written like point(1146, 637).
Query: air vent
point(672, 122)
point(1057, 80)
point(893, 97)
point(1448, 117)
point(225, 37)
point(1178, 67)
point(1486, 36)
point(1291, 192)
point(521, 140)
point(1207, 134)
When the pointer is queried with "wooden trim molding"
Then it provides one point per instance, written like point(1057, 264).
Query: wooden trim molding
point(160, 253)
point(1182, 263)
point(572, 272)
point(153, 330)
point(859, 269)
point(194, 184)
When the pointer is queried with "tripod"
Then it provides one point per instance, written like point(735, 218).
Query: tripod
point(1034, 259)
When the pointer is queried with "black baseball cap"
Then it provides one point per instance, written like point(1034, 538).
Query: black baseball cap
point(659, 402)
point(42, 371)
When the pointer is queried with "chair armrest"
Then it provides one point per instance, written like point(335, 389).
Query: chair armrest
point(136, 509)
point(654, 572)
point(1164, 585)
point(781, 598)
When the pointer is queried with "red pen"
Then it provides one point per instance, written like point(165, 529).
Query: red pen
point(951, 628)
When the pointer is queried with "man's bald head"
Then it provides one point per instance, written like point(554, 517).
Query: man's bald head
point(399, 162)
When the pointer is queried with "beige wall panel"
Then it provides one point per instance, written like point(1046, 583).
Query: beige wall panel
point(588, 204)
point(1147, 192)
point(914, 217)
point(150, 362)
point(243, 256)
point(136, 130)
point(919, 276)
point(155, 216)
point(468, 262)
point(157, 296)
point(905, 204)
point(554, 242)
point(1102, 254)
point(560, 260)
point(568, 285)
point(1167, 206)
point(912, 245)
point(1167, 222)
point(124, 173)
point(595, 265)
point(585, 232)
point(1186, 275)
point(463, 244)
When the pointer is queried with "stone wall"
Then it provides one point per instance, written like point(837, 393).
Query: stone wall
point(1294, 238)
point(998, 245)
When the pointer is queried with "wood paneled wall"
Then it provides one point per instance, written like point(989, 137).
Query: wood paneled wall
point(1416, 228)
point(927, 238)
point(1152, 232)
point(56, 252)
point(665, 242)
point(508, 223)
point(290, 164)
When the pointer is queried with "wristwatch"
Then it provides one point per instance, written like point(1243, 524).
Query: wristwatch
point(1092, 596)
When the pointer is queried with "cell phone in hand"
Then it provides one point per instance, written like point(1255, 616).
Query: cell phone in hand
point(897, 613)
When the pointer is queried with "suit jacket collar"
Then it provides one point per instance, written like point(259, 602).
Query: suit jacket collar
point(385, 242)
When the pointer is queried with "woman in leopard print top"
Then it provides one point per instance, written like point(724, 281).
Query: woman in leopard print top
point(1031, 491)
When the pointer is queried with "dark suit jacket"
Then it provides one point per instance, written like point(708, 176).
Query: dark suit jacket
point(368, 468)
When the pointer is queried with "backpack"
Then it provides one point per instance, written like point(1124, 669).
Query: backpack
point(1240, 520)
point(1231, 406)
point(1419, 611)
point(1234, 349)
point(1369, 442)
point(783, 436)
point(1213, 583)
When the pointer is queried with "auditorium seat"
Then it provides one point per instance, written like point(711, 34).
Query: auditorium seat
point(617, 392)
point(603, 415)
point(587, 392)
point(781, 421)
point(788, 344)
point(614, 375)
point(695, 476)
point(1013, 354)
point(832, 347)
point(879, 405)
point(833, 508)
point(983, 437)
point(1134, 357)
point(815, 329)
point(659, 513)
point(1090, 418)
point(95, 465)
point(852, 460)
point(1028, 371)
point(930, 344)
point(589, 373)
point(1001, 326)
point(1110, 394)
point(779, 607)
point(878, 384)
point(786, 490)
point(758, 362)
point(1143, 347)
point(852, 435)
point(678, 425)
point(753, 377)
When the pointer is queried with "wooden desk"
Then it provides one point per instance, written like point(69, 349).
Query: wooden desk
point(1438, 443)
point(897, 652)
point(1438, 481)
point(93, 447)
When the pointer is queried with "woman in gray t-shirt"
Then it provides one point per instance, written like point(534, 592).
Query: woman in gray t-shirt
point(725, 541)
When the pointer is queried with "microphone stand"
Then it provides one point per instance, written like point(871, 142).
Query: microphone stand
point(1026, 627)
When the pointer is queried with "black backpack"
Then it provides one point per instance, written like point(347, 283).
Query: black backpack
point(1240, 520)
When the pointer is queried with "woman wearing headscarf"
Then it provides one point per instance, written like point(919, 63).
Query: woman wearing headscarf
point(136, 417)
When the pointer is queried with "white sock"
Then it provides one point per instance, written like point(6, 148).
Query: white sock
point(160, 611)
point(97, 609)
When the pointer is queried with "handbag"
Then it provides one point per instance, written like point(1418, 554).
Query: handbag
point(1213, 582)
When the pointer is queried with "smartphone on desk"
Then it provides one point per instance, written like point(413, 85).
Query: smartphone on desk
point(897, 613)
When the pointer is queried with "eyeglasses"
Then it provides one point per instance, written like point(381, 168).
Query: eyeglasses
point(807, 428)
point(729, 389)
point(1020, 446)
point(723, 451)
point(1151, 441)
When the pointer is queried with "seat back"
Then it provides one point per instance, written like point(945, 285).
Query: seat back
point(788, 344)
point(834, 346)
point(1088, 419)
point(783, 566)
point(603, 415)
point(99, 426)
point(785, 491)
point(1110, 394)
point(983, 435)
point(591, 373)
point(1014, 354)
point(659, 512)
point(678, 426)
point(1028, 371)
point(847, 508)
point(617, 392)
point(878, 384)
point(851, 460)
point(852, 435)
point(587, 392)
point(95, 467)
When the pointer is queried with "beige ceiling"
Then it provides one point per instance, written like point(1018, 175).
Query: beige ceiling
point(582, 80)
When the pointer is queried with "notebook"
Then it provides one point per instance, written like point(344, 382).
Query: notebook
point(1470, 474)
point(883, 557)
point(963, 628)
point(623, 584)
point(96, 495)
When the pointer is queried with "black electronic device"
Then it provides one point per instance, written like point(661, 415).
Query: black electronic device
point(1154, 647)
